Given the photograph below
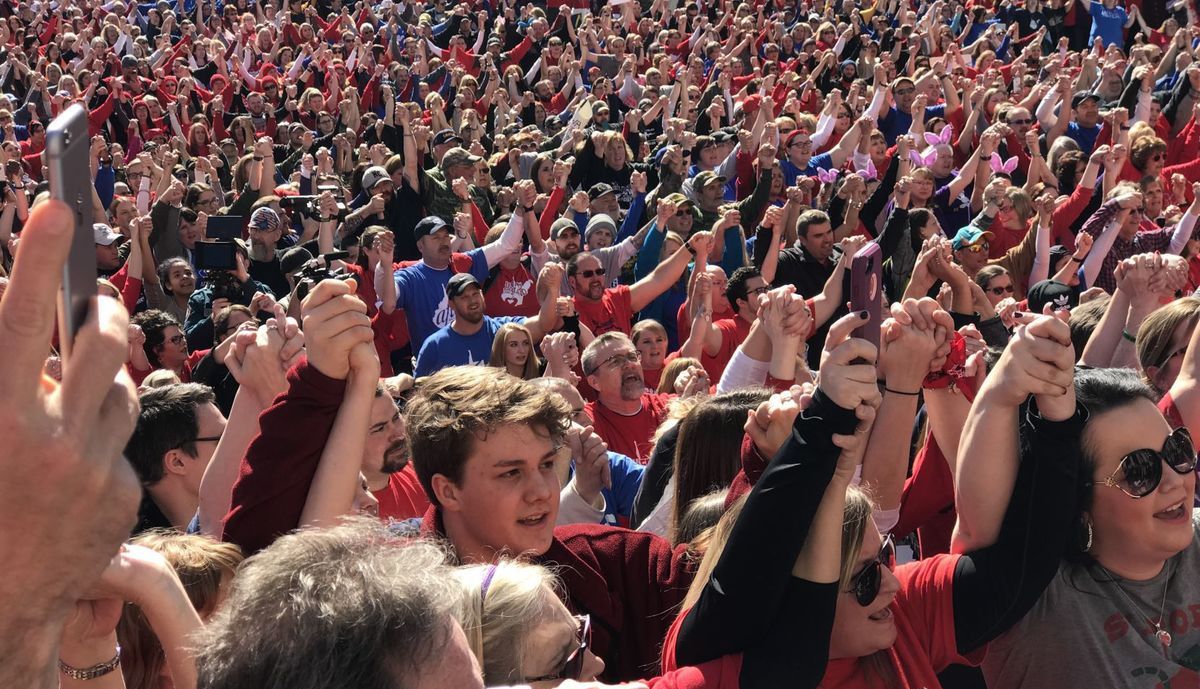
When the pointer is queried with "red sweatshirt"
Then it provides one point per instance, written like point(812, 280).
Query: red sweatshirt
point(630, 582)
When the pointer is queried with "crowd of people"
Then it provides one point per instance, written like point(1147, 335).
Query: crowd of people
point(504, 344)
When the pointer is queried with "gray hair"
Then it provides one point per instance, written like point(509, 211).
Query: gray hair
point(347, 607)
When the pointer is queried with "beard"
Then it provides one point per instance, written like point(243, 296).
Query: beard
point(395, 457)
point(632, 386)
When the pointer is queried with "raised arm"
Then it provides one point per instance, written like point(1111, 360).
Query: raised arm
point(668, 272)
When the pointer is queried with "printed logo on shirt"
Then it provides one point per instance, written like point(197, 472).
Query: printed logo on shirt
point(443, 315)
point(1177, 622)
point(514, 292)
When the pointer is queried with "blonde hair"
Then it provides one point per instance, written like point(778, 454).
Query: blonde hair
point(203, 566)
point(1154, 335)
point(533, 365)
point(501, 603)
point(672, 370)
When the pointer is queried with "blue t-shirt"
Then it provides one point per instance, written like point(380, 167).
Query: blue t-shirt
point(792, 171)
point(421, 292)
point(895, 123)
point(448, 348)
point(1084, 136)
point(1108, 24)
point(626, 477)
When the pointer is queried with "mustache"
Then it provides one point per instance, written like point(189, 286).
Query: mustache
point(395, 457)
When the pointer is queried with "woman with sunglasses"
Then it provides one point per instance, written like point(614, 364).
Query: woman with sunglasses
point(1120, 606)
point(892, 627)
point(996, 283)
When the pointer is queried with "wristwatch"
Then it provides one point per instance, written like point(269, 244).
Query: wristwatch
point(527, 209)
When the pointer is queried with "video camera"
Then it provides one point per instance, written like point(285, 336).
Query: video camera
point(317, 270)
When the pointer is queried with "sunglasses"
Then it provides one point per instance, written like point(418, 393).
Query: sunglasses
point(589, 274)
point(1007, 289)
point(573, 667)
point(1021, 122)
point(1141, 470)
point(865, 585)
point(977, 248)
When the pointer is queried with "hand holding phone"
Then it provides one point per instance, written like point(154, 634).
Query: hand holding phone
point(68, 152)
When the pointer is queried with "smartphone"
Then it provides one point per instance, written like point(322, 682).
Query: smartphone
point(225, 227)
point(67, 150)
point(216, 255)
point(866, 278)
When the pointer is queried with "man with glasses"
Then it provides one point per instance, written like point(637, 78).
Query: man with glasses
point(970, 245)
point(625, 414)
point(799, 160)
point(898, 119)
point(177, 433)
point(606, 310)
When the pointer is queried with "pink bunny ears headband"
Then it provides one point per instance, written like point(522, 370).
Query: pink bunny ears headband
point(869, 172)
point(933, 140)
point(827, 176)
point(1005, 167)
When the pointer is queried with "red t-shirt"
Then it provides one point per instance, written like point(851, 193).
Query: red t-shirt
point(683, 320)
point(925, 644)
point(927, 503)
point(733, 333)
point(614, 311)
point(403, 497)
point(185, 376)
point(632, 436)
point(512, 293)
point(653, 378)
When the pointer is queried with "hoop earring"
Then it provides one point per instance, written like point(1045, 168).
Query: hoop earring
point(1088, 545)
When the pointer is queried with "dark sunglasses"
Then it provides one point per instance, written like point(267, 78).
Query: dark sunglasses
point(589, 274)
point(1020, 123)
point(1141, 470)
point(865, 585)
point(1007, 289)
point(573, 667)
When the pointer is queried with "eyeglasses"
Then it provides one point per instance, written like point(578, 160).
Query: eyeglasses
point(209, 438)
point(176, 339)
point(573, 667)
point(802, 145)
point(865, 585)
point(619, 360)
point(589, 274)
point(1158, 156)
point(1006, 289)
point(1141, 470)
point(758, 290)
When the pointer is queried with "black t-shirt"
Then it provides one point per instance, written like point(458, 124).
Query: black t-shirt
point(270, 274)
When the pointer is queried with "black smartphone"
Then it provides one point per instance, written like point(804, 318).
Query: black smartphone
point(67, 165)
point(216, 255)
point(224, 227)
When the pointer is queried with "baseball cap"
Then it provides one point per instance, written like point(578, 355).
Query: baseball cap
point(129, 62)
point(1081, 96)
point(560, 225)
point(723, 136)
point(104, 234)
point(706, 178)
point(679, 200)
point(1052, 292)
point(601, 221)
point(446, 136)
point(1057, 252)
point(968, 236)
point(374, 175)
point(264, 219)
point(600, 189)
point(459, 283)
point(459, 156)
point(428, 226)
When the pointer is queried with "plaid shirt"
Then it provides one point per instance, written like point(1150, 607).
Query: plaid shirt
point(1141, 243)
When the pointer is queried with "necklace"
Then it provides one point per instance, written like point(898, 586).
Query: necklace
point(1163, 636)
